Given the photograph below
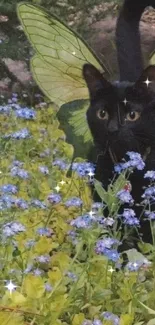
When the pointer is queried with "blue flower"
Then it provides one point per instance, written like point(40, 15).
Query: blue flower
point(71, 275)
point(6, 201)
point(129, 218)
point(150, 215)
point(150, 174)
point(125, 196)
point(9, 188)
point(105, 243)
point(21, 203)
point(43, 258)
point(97, 322)
point(48, 287)
point(131, 222)
point(45, 232)
point(28, 269)
point(111, 317)
point(135, 266)
point(37, 203)
point(73, 235)
point(97, 205)
point(22, 134)
point(22, 173)
point(74, 201)
point(12, 228)
point(30, 243)
point(38, 272)
point(84, 221)
point(54, 198)
point(112, 254)
point(5, 109)
point(107, 222)
point(149, 193)
point(135, 161)
point(26, 113)
point(60, 163)
point(83, 168)
point(44, 170)
point(17, 163)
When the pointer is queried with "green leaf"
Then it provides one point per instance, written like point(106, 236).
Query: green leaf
point(17, 298)
point(151, 322)
point(134, 255)
point(126, 319)
point(150, 311)
point(60, 55)
point(34, 286)
point(100, 190)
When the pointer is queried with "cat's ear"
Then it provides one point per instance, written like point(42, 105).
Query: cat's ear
point(146, 83)
point(94, 80)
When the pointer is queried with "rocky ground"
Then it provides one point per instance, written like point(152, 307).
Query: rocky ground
point(101, 22)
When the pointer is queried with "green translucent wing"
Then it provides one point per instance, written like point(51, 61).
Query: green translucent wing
point(60, 55)
point(152, 58)
point(59, 87)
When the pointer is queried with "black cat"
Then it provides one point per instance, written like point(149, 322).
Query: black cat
point(121, 115)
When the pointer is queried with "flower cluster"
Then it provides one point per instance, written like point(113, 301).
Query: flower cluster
point(22, 173)
point(129, 218)
point(26, 113)
point(149, 193)
point(150, 215)
point(12, 228)
point(150, 174)
point(84, 221)
point(135, 266)
point(21, 134)
point(111, 317)
point(74, 201)
point(60, 163)
point(135, 161)
point(9, 188)
point(124, 196)
point(54, 198)
point(84, 168)
point(105, 247)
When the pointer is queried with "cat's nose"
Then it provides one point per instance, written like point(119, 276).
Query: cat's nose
point(112, 126)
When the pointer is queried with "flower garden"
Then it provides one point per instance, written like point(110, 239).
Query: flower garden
point(59, 256)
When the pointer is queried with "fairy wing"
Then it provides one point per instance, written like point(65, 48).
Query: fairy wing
point(60, 55)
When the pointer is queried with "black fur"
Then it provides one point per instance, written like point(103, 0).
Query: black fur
point(116, 130)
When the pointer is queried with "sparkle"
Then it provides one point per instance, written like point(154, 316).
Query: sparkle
point(111, 270)
point(90, 174)
point(57, 188)
point(62, 182)
point(10, 286)
point(91, 213)
point(135, 264)
point(125, 101)
point(147, 82)
point(73, 52)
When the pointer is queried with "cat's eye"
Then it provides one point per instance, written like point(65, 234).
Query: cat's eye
point(133, 116)
point(102, 114)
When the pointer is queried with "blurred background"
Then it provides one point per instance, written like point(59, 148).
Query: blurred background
point(94, 20)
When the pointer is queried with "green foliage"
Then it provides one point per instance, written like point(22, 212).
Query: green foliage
point(74, 283)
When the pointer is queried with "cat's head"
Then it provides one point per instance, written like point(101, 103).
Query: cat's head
point(121, 115)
